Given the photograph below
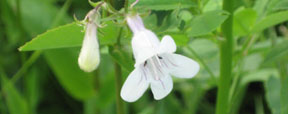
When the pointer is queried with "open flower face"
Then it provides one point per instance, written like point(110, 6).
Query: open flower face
point(155, 64)
point(89, 57)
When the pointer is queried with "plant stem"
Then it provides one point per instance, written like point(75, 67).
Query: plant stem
point(118, 84)
point(126, 6)
point(26, 65)
point(203, 63)
point(226, 53)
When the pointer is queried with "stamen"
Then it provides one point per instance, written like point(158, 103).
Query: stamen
point(145, 63)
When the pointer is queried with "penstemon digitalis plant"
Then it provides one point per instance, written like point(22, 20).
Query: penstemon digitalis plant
point(126, 33)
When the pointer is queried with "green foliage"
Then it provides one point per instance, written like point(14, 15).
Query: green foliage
point(206, 23)
point(271, 20)
point(70, 35)
point(54, 83)
point(278, 52)
point(244, 20)
point(15, 101)
point(64, 64)
point(272, 87)
point(65, 36)
point(164, 4)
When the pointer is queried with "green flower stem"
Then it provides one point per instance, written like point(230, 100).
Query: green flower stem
point(126, 6)
point(26, 65)
point(118, 72)
point(118, 84)
point(118, 79)
point(226, 53)
point(282, 66)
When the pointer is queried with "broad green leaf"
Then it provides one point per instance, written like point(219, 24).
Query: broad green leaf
point(252, 62)
point(15, 102)
point(64, 65)
point(272, 88)
point(281, 5)
point(270, 20)
point(212, 5)
point(260, 75)
point(150, 21)
point(109, 33)
point(206, 23)
point(122, 58)
point(278, 52)
point(181, 39)
point(70, 35)
point(164, 4)
point(244, 21)
point(171, 21)
point(260, 7)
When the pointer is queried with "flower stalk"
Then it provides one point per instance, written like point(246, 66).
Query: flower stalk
point(226, 55)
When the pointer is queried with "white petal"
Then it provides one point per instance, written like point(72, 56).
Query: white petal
point(134, 86)
point(145, 45)
point(167, 45)
point(161, 88)
point(89, 57)
point(181, 66)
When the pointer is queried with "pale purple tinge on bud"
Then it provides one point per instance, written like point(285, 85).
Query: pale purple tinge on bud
point(89, 57)
point(155, 63)
point(135, 23)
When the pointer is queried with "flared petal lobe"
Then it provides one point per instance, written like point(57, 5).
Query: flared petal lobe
point(167, 45)
point(182, 67)
point(89, 57)
point(161, 88)
point(135, 86)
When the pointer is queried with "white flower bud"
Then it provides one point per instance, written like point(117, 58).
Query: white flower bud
point(89, 57)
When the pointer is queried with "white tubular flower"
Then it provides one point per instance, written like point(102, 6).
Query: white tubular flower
point(155, 63)
point(89, 57)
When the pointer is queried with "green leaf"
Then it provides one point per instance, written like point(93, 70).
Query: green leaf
point(15, 102)
point(64, 65)
point(211, 5)
point(163, 4)
point(171, 21)
point(244, 20)
point(181, 39)
point(271, 20)
point(280, 51)
point(109, 33)
point(272, 88)
point(70, 35)
point(281, 5)
point(122, 58)
point(206, 23)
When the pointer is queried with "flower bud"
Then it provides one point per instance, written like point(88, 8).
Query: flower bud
point(89, 57)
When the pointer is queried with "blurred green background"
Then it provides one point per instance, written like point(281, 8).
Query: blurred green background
point(44, 77)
